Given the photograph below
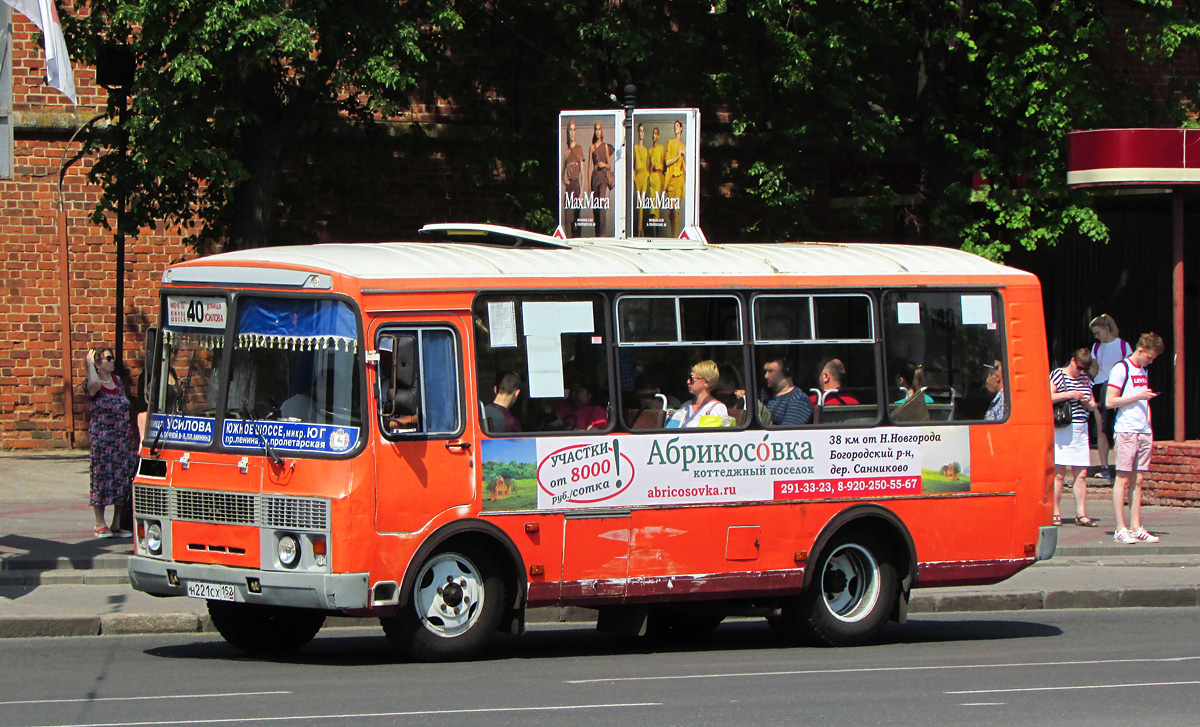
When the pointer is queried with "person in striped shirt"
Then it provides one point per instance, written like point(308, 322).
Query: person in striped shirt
point(1071, 451)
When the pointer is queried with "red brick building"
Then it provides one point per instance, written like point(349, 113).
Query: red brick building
point(36, 152)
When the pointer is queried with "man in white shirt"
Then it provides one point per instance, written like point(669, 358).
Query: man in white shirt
point(1129, 393)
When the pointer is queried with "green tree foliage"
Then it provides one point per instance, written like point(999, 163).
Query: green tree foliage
point(955, 113)
point(891, 107)
point(224, 88)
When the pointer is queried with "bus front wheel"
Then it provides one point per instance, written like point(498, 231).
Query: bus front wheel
point(264, 630)
point(850, 597)
point(455, 608)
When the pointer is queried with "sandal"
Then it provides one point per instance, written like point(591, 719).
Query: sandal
point(103, 532)
point(1086, 522)
point(1057, 520)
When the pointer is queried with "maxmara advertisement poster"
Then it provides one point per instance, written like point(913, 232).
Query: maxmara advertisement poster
point(598, 192)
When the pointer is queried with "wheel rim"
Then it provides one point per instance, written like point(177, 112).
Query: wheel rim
point(449, 595)
point(850, 583)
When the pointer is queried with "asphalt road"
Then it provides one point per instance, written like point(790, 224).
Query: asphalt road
point(1070, 667)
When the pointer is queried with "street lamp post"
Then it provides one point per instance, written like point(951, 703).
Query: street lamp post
point(114, 71)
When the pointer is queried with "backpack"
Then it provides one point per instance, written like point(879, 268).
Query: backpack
point(1125, 350)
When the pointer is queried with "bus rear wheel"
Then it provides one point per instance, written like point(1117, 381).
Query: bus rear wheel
point(264, 630)
point(850, 597)
point(455, 608)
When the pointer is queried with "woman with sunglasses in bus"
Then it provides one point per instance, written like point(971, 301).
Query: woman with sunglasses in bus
point(701, 380)
point(114, 455)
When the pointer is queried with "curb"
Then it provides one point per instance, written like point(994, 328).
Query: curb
point(128, 624)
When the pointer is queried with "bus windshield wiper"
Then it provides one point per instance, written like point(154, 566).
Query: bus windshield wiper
point(249, 416)
point(154, 450)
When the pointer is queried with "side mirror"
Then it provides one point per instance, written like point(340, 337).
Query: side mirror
point(396, 381)
point(149, 388)
point(404, 359)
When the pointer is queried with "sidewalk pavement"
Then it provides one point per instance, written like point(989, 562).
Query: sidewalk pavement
point(57, 580)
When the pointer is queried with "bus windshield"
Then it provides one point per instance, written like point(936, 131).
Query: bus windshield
point(292, 361)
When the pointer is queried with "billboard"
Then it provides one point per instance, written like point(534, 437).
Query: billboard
point(600, 196)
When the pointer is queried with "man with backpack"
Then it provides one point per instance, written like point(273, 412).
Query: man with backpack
point(1129, 394)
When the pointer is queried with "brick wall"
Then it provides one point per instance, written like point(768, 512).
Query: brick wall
point(346, 190)
point(1174, 476)
point(32, 389)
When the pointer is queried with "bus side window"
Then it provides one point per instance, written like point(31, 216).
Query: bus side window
point(944, 355)
point(660, 338)
point(820, 347)
point(542, 361)
point(419, 387)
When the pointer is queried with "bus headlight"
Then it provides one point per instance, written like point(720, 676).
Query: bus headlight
point(288, 551)
point(154, 538)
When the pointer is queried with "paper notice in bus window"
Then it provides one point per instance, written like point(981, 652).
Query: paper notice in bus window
point(977, 310)
point(908, 312)
point(545, 366)
point(502, 323)
point(546, 318)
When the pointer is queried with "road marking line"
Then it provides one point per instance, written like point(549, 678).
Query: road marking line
point(867, 670)
point(1081, 686)
point(135, 699)
point(364, 715)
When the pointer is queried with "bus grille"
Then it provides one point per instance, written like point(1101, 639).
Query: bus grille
point(292, 512)
point(232, 508)
point(151, 500)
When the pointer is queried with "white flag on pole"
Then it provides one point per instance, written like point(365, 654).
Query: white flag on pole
point(44, 15)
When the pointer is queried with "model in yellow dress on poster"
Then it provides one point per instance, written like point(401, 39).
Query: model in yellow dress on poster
point(641, 181)
point(654, 187)
point(676, 176)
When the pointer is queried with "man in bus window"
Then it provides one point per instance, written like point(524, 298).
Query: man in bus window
point(832, 374)
point(499, 413)
point(787, 405)
point(995, 385)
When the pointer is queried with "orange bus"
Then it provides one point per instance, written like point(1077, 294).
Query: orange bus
point(443, 434)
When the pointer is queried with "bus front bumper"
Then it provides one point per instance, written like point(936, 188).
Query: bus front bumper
point(321, 591)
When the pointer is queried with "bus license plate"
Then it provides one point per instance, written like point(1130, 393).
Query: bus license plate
point(210, 591)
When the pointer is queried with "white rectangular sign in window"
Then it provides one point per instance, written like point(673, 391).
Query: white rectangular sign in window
point(185, 311)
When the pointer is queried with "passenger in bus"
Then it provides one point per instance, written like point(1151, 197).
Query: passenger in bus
point(909, 381)
point(577, 411)
point(403, 424)
point(498, 415)
point(702, 410)
point(650, 395)
point(298, 407)
point(786, 404)
point(995, 385)
point(832, 374)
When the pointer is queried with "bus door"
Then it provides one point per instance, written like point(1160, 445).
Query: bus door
point(424, 445)
point(595, 554)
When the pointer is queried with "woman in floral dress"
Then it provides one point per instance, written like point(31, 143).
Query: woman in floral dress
point(114, 456)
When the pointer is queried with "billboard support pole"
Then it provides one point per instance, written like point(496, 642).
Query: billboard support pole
point(630, 187)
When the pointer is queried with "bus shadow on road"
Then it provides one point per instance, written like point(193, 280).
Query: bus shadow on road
point(365, 647)
point(928, 630)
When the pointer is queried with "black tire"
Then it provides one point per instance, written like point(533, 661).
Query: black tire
point(454, 608)
point(264, 630)
point(850, 597)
